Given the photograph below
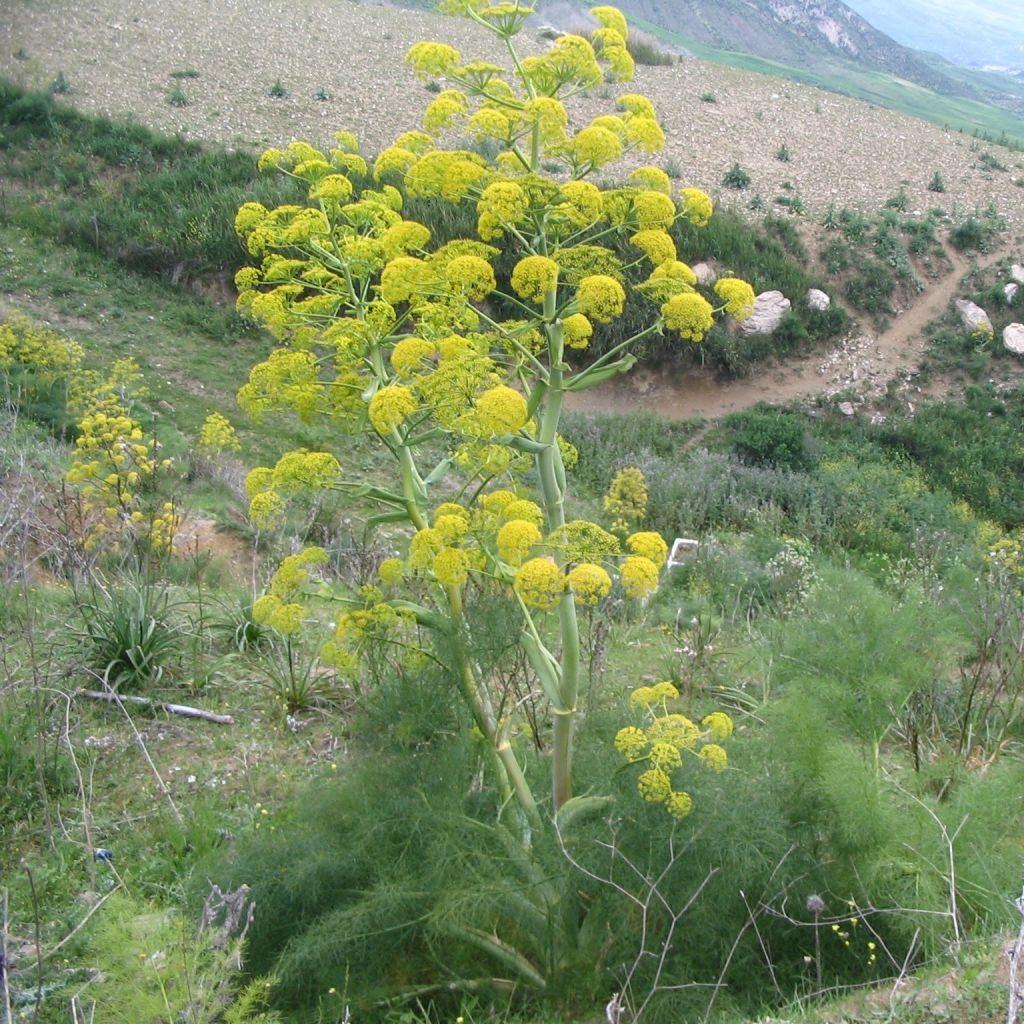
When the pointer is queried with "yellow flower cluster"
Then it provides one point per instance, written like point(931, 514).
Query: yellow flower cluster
point(689, 314)
point(279, 607)
point(737, 295)
point(626, 500)
point(390, 407)
point(540, 583)
point(33, 359)
point(600, 298)
point(665, 742)
point(217, 436)
point(649, 545)
point(533, 277)
point(639, 576)
point(295, 473)
point(588, 583)
point(697, 206)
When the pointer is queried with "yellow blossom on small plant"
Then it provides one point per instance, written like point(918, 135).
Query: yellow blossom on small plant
point(656, 244)
point(470, 276)
point(654, 210)
point(217, 435)
point(666, 756)
point(523, 508)
point(410, 355)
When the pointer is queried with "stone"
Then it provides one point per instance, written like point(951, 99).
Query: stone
point(972, 316)
point(817, 299)
point(846, 408)
point(1013, 338)
point(705, 273)
point(1010, 291)
point(1017, 273)
point(769, 309)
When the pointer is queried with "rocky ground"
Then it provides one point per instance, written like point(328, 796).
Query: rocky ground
point(119, 55)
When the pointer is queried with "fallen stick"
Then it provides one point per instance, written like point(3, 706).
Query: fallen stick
point(171, 709)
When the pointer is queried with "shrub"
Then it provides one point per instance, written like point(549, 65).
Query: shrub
point(60, 86)
point(736, 177)
point(937, 184)
point(277, 91)
point(764, 436)
point(177, 97)
point(782, 154)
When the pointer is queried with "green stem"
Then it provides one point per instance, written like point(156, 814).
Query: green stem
point(551, 471)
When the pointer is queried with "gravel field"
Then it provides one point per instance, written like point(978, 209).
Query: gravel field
point(118, 56)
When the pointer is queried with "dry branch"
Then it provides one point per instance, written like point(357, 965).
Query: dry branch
point(171, 709)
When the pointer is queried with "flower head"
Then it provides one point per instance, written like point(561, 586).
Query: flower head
point(540, 583)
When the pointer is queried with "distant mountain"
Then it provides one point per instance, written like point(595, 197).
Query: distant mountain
point(970, 32)
point(808, 34)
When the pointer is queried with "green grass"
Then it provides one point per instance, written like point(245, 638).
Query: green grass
point(884, 90)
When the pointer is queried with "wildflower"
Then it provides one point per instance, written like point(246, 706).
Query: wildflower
point(654, 179)
point(533, 277)
point(631, 743)
point(451, 567)
point(540, 583)
point(639, 576)
point(697, 207)
point(410, 354)
point(515, 539)
point(666, 691)
point(666, 756)
point(600, 297)
point(714, 755)
point(589, 583)
point(675, 729)
point(522, 508)
point(643, 695)
point(391, 571)
point(690, 314)
point(470, 276)
point(433, 60)
point(738, 296)
point(679, 805)
point(719, 725)
point(596, 146)
point(502, 410)
point(577, 331)
point(654, 210)
point(656, 245)
point(390, 406)
point(654, 785)
point(649, 545)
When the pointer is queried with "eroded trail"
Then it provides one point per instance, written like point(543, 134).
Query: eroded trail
point(862, 363)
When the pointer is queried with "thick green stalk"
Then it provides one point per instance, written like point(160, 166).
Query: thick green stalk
point(552, 473)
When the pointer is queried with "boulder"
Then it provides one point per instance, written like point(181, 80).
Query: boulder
point(1010, 291)
point(1017, 273)
point(1013, 338)
point(769, 309)
point(705, 273)
point(973, 317)
point(817, 299)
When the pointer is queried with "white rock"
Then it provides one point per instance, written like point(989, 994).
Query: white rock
point(706, 274)
point(1010, 291)
point(973, 316)
point(769, 309)
point(817, 299)
point(1013, 338)
point(1017, 273)
point(846, 408)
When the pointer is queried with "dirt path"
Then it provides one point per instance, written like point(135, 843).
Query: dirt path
point(862, 364)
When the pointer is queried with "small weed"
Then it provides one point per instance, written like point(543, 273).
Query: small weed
point(757, 204)
point(736, 177)
point(322, 95)
point(644, 49)
point(60, 86)
point(794, 204)
point(277, 91)
point(21, 53)
point(708, 97)
point(1019, 182)
point(782, 154)
point(900, 201)
point(433, 85)
point(936, 184)
point(990, 163)
point(177, 97)
point(186, 73)
point(672, 167)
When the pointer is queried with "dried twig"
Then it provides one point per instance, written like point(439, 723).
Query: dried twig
point(171, 709)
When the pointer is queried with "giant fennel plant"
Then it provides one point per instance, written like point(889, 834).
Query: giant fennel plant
point(381, 330)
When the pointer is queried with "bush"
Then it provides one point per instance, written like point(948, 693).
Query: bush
point(764, 436)
point(736, 177)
